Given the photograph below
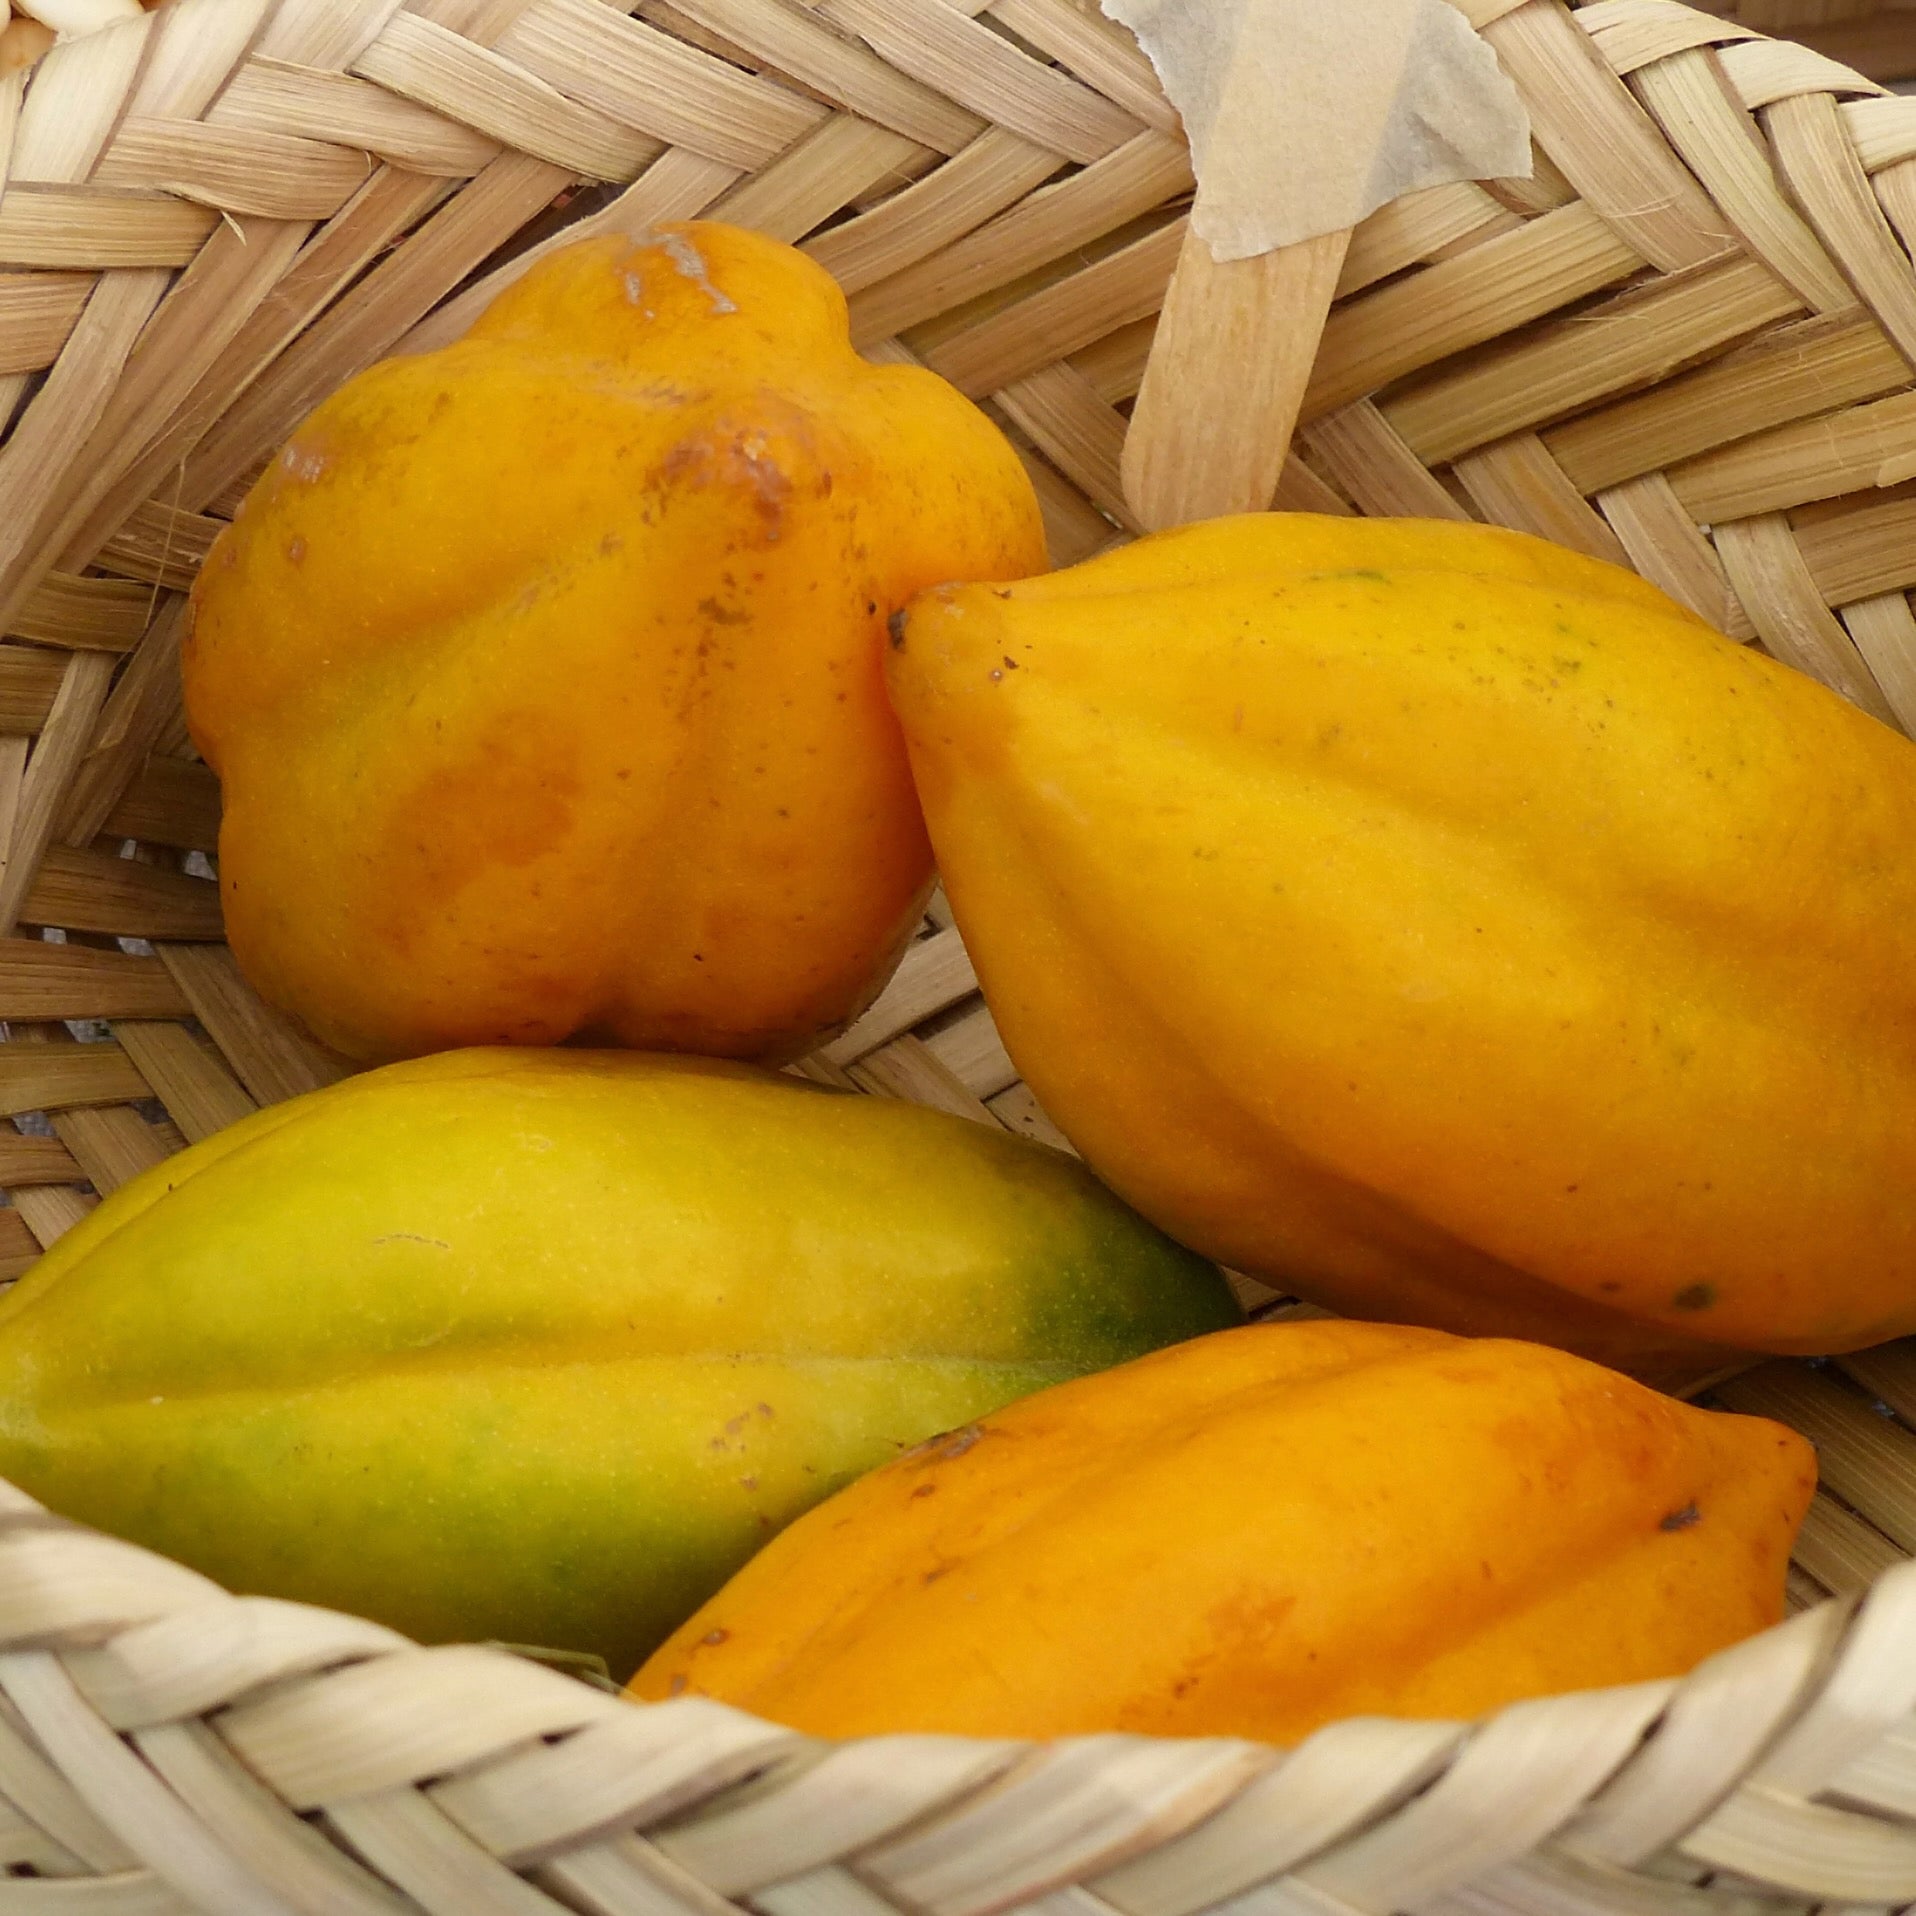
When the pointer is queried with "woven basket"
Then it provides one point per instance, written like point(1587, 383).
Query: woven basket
point(1686, 344)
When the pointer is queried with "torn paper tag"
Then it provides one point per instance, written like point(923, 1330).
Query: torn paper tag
point(1304, 116)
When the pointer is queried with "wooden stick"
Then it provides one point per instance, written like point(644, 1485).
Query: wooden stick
point(1226, 379)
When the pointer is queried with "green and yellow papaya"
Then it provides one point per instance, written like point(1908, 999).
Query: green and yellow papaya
point(539, 1346)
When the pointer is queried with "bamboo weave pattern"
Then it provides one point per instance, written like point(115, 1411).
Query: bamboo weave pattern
point(1688, 343)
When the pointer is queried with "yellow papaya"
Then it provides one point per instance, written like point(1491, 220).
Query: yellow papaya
point(1444, 925)
point(540, 1345)
point(1260, 1532)
point(542, 673)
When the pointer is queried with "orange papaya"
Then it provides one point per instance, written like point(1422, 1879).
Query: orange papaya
point(1445, 926)
point(1256, 1533)
point(542, 673)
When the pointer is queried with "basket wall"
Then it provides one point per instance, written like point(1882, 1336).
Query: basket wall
point(1687, 344)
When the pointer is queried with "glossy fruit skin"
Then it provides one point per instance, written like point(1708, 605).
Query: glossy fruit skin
point(1258, 1533)
point(541, 1345)
point(1443, 925)
point(542, 673)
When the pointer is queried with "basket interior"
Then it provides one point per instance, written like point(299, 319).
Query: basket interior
point(1685, 344)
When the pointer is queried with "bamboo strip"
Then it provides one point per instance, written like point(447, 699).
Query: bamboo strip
point(995, 171)
point(1417, 228)
point(170, 801)
point(49, 1077)
point(31, 1160)
point(96, 228)
point(1822, 171)
point(906, 1068)
point(160, 544)
point(1773, 579)
point(1789, 374)
point(30, 680)
point(1842, 1552)
point(194, 49)
point(123, 457)
point(77, 96)
point(268, 1055)
point(934, 973)
point(1665, 545)
point(271, 96)
point(984, 72)
point(40, 980)
point(330, 34)
point(1766, 71)
point(37, 312)
point(1047, 225)
point(186, 1075)
point(57, 753)
point(1516, 483)
point(1883, 132)
point(1062, 412)
point(98, 891)
point(83, 614)
point(52, 1211)
point(1302, 488)
point(1585, 119)
point(1884, 631)
point(476, 86)
point(112, 1145)
point(1887, 1373)
point(842, 70)
point(972, 1050)
point(275, 175)
point(1691, 101)
point(1365, 454)
point(643, 78)
point(826, 170)
point(1632, 34)
point(1115, 364)
point(1896, 195)
point(257, 1827)
point(1094, 50)
point(1867, 446)
point(1491, 291)
point(1863, 553)
point(127, 1796)
point(1639, 339)
point(1056, 322)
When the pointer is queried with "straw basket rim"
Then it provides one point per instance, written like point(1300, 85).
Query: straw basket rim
point(1688, 343)
point(1781, 1772)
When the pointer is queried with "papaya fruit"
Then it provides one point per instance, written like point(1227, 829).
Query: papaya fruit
point(542, 673)
point(539, 1346)
point(1445, 926)
point(1260, 1532)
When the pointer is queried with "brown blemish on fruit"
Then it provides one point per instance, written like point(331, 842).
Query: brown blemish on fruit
point(1695, 1297)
